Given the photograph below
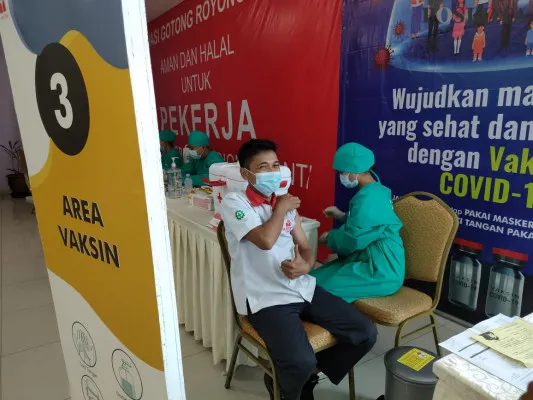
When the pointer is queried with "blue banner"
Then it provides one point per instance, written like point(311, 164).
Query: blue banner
point(442, 91)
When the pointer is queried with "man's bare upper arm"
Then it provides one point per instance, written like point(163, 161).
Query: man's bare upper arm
point(256, 236)
point(298, 235)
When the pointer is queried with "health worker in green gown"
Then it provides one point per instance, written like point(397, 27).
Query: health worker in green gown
point(201, 158)
point(371, 258)
point(168, 151)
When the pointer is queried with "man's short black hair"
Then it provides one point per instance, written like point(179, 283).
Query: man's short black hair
point(252, 148)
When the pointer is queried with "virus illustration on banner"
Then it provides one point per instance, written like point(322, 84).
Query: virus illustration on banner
point(383, 57)
point(399, 29)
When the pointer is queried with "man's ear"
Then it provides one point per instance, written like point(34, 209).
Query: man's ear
point(247, 175)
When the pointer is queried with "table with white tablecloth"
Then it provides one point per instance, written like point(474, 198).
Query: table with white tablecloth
point(202, 286)
point(461, 380)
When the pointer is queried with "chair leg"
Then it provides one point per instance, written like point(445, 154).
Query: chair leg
point(399, 334)
point(435, 334)
point(275, 383)
point(277, 393)
point(351, 380)
point(231, 368)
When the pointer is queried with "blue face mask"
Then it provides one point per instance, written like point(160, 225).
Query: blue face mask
point(194, 154)
point(346, 182)
point(267, 182)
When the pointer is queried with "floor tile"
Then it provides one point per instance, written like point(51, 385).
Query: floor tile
point(456, 327)
point(386, 334)
point(35, 374)
point(24, 271)
point(21, 249)
point(368, 356)
point(29, 328)
point(204, 381)
point(369, 383)
point(24, 295)
point(189, 346)
point(427, 342)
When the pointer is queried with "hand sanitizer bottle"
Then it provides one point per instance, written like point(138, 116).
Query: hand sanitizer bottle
point(174, 180)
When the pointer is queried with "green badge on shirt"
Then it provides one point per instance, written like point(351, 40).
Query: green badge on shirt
point(239, 214)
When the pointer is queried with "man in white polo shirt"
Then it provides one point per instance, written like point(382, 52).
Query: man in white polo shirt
point(274, 289)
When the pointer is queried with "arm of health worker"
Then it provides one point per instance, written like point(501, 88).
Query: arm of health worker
point(197, 180)
point(349, 239)
point(188, 168)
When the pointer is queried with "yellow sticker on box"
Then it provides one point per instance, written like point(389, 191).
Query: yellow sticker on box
point(416, 359)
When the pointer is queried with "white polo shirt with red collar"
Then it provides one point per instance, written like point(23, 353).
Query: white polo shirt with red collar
point(256, 274)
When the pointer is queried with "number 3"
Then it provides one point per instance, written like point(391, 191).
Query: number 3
point(58, 81)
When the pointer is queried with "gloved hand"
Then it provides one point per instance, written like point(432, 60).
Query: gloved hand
point(330, 258)
point(334, 212)
point(323, 239)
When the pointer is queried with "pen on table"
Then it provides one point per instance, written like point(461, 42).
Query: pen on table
point(482, 351)
point(466, 347)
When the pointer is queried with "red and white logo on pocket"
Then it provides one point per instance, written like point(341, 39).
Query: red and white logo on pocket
point(287, 227)
point(3, 8)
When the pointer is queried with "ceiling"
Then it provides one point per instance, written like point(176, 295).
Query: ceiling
point(156, 8)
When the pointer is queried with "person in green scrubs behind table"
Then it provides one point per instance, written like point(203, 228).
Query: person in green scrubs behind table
point(201, 158)
point(371, 258)
point(168, 151)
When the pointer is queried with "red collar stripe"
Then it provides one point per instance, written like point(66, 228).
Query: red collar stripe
point(257, 200)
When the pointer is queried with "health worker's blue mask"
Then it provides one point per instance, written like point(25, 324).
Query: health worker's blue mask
point(346, 182)
point(267, 182)
point(194, 154)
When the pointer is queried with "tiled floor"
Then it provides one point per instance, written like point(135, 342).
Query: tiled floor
point(32, 366)
point(205, 381)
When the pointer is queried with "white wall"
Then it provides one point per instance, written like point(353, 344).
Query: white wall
point(8, 120)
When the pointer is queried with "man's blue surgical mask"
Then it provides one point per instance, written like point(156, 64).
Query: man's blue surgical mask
point(267, 182)
point(346, 182)
point(194, 154)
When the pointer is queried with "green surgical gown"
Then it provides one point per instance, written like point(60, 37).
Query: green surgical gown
point(199, 169)
point(166, 159)
point(371, 259)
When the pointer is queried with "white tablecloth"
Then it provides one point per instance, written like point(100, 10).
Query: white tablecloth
point(202, 288)
point(461, 380)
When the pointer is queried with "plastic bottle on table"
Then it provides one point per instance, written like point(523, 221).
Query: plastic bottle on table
point(188, 184)
point(174, 180)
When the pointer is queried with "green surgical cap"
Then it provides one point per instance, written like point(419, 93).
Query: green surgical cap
point(167, 136)
point(353, 158)
point(197, 138)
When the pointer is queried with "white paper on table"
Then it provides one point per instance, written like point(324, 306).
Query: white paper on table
point(487, 359)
